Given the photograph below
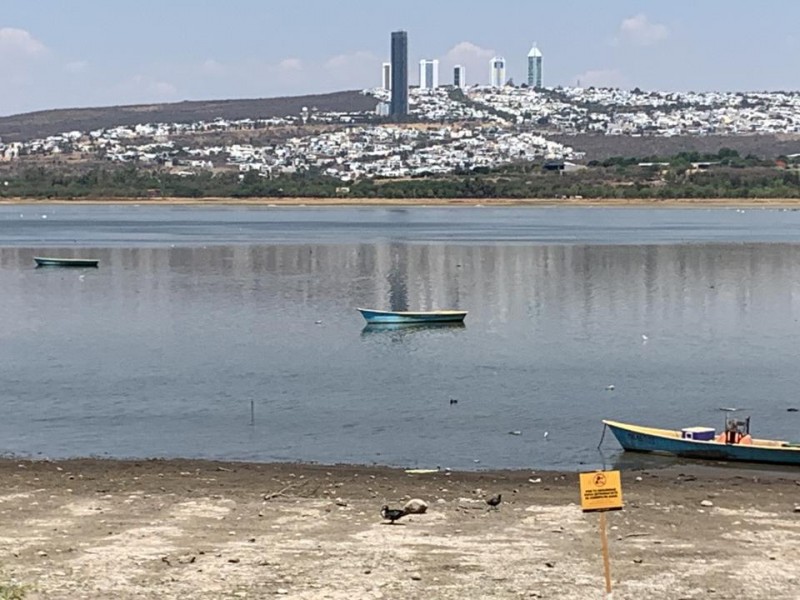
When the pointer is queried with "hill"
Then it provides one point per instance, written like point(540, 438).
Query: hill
point(601, 147)
point(28, 126)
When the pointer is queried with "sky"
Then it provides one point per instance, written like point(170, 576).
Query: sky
point(76, 53)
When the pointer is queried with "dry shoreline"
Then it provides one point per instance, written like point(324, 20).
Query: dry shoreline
point(427, 202)
point(94, 528)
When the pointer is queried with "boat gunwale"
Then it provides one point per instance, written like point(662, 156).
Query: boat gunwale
point(414, 313)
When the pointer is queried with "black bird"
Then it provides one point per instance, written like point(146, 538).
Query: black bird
point(494, 501)
point(453, 401)
point(392, 514)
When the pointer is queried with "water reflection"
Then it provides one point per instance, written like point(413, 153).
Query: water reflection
point(409, 328)
point(653, 283)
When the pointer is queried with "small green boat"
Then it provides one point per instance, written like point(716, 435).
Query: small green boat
point(45, 261)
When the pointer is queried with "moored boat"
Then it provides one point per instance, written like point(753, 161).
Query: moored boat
point(50, 261)
point(733, 444)
point(433, 316)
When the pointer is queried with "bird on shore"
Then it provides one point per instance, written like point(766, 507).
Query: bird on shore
point(392, 514)
point(494, 501)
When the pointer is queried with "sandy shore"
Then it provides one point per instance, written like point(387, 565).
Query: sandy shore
point(542, 202)
point(195, 529)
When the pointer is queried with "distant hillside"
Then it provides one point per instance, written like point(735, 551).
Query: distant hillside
point(601, 147)
point(40, 124)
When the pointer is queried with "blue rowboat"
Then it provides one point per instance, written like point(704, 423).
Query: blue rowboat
point(433, 316)
point(45, 261)
point(731, 445)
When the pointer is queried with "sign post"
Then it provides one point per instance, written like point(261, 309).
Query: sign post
point(601, 491)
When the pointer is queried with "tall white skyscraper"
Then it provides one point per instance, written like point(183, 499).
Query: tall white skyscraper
point(534, 68)
point(386, 76)
point(459, 77)
point(498, 73)
point(428, 74)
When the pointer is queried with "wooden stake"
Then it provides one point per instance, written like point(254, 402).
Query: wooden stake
point(604, 545)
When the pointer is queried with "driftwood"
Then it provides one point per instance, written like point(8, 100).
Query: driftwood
point(282, 491)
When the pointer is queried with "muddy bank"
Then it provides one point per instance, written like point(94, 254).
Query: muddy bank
point(178, 529)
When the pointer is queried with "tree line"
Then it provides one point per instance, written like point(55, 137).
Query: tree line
point(686, 175)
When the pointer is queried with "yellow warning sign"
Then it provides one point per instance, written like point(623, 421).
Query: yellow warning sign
point(601, 490)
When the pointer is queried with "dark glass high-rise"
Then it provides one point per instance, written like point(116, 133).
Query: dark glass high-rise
point(399, 104)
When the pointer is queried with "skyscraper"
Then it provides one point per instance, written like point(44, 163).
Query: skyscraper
point(386, 76)
point(459, 77)
point(534, 68)
point(399, 105)
point(428, 74)
point(498, 73)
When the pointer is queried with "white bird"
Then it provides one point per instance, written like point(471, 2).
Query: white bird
point(644, 337)
point(546, 433)
point(610, 388)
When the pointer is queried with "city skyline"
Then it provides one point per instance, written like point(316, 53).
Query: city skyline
point(55, 55)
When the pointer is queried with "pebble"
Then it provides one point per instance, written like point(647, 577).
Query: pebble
point(638, 479)
point(282, 591)
point(706, 503)
point(416, 577)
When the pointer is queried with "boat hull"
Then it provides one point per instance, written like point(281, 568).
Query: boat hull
point(43, 261)
point(633, 438)
point(408, 317)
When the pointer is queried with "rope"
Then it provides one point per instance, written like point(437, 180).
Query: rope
point(602, 437)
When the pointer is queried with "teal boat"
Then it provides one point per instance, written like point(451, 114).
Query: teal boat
point(734, 443)
point(402, 317)
point(49, 261)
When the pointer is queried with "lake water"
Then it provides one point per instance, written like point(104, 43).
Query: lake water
point(195, 313)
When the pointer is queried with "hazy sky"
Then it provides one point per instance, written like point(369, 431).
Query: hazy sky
point(57, 53)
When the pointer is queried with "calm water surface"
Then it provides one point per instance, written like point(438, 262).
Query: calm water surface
point(196, 312)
